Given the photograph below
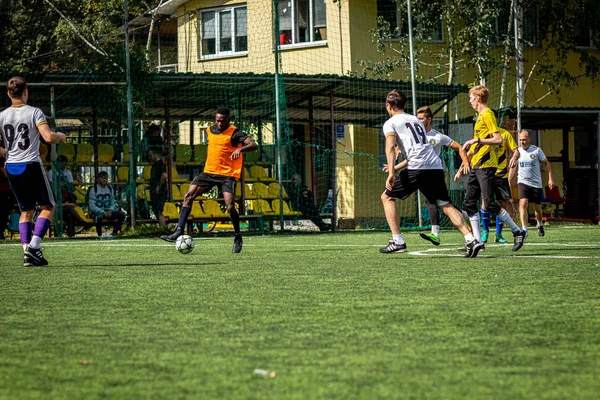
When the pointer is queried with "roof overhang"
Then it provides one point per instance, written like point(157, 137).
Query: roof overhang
point(169, 7)
point(185, 96)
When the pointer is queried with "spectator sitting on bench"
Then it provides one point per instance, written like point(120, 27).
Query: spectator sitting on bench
point(302, 199)
point(102, 205)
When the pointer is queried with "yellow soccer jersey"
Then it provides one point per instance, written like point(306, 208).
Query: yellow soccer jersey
point(507, 143)
point(484, 155)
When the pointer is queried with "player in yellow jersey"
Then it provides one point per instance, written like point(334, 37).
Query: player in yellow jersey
point(223, 166)
point(484, 163)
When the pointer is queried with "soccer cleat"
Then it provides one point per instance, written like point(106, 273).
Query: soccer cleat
point(34, 258)
point(431, 237)
point(541, 231)
point(519, 240)
point(172, 237)
point(473, 248)
point(500, 239)
point(237, 244)
point(393, 247)
point(484, 236)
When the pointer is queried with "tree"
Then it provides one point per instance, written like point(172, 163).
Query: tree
point(476, 31)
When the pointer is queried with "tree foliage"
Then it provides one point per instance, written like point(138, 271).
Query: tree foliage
point(474, 27)
point(64, 35)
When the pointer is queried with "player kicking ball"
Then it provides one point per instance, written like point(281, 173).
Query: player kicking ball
point(424, 172)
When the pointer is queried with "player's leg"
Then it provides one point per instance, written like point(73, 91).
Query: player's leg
point(434, 217)
point(535, 196)
point(503, 196)
point(472, 197)
point(228, 190)
point(524, 205)
point(433, 186)
point(485, 223)
point(201, 184)
point(402, 188)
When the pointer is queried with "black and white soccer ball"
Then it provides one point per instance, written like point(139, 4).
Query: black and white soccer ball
point(184, 244)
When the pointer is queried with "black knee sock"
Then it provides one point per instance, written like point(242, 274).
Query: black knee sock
point(183, 216)
point(235, 221)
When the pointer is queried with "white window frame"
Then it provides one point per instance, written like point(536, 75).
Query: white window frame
point(294, 25)
point(217, 34)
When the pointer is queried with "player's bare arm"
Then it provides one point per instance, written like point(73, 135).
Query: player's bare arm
point(465, 167)
point(249, 145)
point(390, 152)
point(49, 136)
point(496, 139)
point(549, 169)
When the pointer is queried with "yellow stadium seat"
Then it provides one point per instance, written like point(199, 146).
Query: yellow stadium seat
point(213, 208)
point(200, 152)
point(274, 191)
point(247, 176)
point(170, 211)
point(84, 216)
point(177, 196)
point(286, 208)
point(197, 212)
point(248, 192)
point(65, 149)
point(79, 195)
point(175, 176)
point(106, 153)
point(84, 154)
point(261, 206)
point(251, 156)
point(123, 175)
point(183, 154)
point(184, 188)
point(260, 190)
point(260, 173)
point(143, 192)
point(147, 172)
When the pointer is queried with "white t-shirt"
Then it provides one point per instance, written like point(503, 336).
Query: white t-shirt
point(68, 175)
point(19, 127)
point(413, 141)
point(530, 161)
point(437, 140)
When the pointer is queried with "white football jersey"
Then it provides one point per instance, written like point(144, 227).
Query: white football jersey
point(437, 140)
point(530, 161)
point(413, 141)
point(19, 126)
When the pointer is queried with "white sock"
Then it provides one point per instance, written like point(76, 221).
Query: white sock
point(35, 242)
point(435, 229)
point(539, 223)
point(465, 215)
point(505, 217)
point(524, 229)
point(25, 246)
point(398, 239)
point(475, 226)
point(469, 237)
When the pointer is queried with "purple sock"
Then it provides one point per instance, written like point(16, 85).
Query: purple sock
point(41, 227)
point(25, 232)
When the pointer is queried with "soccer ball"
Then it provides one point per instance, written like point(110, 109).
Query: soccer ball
point(184, 244)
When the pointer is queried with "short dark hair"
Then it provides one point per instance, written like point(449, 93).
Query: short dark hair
point(396, 99)
point(102, 173)
point(224, 111)
point(62, 158)
point(426, 111)
point(16, 87)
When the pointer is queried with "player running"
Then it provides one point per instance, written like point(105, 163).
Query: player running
point(424, 172)
point(21, 127)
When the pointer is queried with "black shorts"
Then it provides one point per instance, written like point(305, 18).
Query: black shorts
point(226, 184)
point(157, 200)
point(502, 190)
point(431, 182)
point(530, 193)
point(30, 185)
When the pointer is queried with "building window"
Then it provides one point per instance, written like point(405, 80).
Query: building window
point(224, 31)
point(505, 29)
point(302, 21)
point(394, 13)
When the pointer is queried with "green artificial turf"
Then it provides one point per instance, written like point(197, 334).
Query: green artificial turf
point(328, 314)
